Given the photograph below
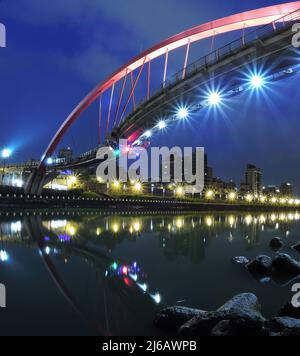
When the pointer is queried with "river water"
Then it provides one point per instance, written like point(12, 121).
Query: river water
point(101, 273)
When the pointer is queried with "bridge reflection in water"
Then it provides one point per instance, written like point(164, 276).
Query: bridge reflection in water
point(117, 270)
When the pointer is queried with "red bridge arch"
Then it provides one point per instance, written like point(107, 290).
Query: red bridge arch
point(235, 22)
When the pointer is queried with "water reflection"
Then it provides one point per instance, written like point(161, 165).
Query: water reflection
point(131, 265)
point(178, 236)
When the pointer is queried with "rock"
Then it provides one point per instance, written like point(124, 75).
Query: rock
point(296, 247)
point(241, 302)
point(276, 243)
point(170, 319)
point(262, 265)
point(285, 264)
point(265, 280)
point(224, 328)
point(287, 323)
point(291, 332)
point(241, 260)
point(289, 311)
point(241, 313)
point(242, 323)
point(247, 322)
point(271, 328)
point(201, 325)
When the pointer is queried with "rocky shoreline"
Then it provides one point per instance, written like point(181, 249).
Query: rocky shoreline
point(241, 315)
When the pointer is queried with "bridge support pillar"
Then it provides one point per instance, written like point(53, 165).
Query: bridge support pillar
point(35, 183)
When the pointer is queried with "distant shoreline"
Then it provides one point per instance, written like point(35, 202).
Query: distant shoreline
point(130, 204)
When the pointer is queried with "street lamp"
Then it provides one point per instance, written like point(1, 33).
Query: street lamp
point(257, 81)
point(232, 196)
point(138, 187)
point(214, 99)
point(71, 181)
point(180, 192)
point(162, 125)
point(209, 194)
point(5, 154)
point(116, 185)
point(182, 113)
point(249, 198)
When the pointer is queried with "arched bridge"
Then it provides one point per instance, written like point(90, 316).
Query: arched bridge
point(265, 42)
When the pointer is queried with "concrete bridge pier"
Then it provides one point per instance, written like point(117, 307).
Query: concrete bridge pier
point(35, 182)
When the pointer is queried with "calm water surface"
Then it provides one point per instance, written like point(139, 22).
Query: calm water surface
point(104, 274)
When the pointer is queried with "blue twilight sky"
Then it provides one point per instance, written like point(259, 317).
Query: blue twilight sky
point(58, 50)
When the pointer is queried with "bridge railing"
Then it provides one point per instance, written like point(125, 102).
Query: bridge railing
point(235, 46)
point(208, 60)
point(221, 53)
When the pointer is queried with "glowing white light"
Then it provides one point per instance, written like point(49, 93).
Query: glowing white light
point(17, 183)
point(157, 298)
point(16, 227)
point(182, 113)
point(134, 277)
point(56, 224)
point(214, 98)
point(47, 250)
point(3, 256)
point(257, 81)
point(143, 287)
point(162, 125)
point(50, 161)
point(6, 153)
point(148, 134)
point(59, 187)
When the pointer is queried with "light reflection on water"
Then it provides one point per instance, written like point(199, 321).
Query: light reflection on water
point(177, 258)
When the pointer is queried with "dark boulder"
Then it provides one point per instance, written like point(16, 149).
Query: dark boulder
point(241, 302)
point(241, 260)
point(265, 280)
point(247, 322)
point(261, 266)
point(287, 323)
point(284, 264)
point(201, 325)
point(271, 328)
point(276, 243)
point(241, 313)
point(289, 311)
point(170, 319)
point(288, 326)
point(296, 247)
point(225, 328)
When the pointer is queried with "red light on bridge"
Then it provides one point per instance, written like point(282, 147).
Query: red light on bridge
point(125, 270)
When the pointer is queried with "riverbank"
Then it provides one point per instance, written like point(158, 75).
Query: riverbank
point(17, 202)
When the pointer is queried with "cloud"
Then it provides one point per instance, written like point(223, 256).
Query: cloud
point(147, 19)
point(108, 33)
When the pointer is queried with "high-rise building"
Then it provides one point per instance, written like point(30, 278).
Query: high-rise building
point(253, 179)
point(65, 154)
point(270, 190)
point(208, 173)
point(286, 189)
point(167, 169)
point(169, 166)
